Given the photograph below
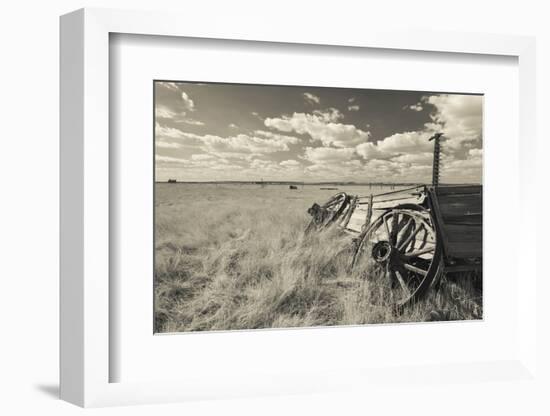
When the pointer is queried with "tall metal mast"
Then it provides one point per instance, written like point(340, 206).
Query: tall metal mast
point(437, 153)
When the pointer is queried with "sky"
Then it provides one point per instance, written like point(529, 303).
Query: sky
point(238, 132)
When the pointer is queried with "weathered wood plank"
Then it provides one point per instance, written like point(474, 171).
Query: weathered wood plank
point(416, 188)
point(462, 233)
point(357, 220)
point(469, 204)
point(464, 249)
point(464, 199)
point(356, 223)
point(378, 199)
point(468, 219)
point(392, 204)
point(452, 215)
point(395, 200)
point(459, 189)
point(463, 268)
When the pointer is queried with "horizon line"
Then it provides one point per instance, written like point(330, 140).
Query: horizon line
point(316, 182)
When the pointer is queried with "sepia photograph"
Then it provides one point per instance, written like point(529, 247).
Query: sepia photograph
point(292, 206)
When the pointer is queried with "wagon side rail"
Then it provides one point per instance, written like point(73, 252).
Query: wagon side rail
point(369, 208)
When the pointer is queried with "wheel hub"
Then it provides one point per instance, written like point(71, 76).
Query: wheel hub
point(382, 251)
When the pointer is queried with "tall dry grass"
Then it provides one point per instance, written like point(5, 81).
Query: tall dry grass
point(230, 259)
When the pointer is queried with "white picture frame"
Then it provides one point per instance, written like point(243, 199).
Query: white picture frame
point(85, 165)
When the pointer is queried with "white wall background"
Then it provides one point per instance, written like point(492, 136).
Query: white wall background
point(29, 57)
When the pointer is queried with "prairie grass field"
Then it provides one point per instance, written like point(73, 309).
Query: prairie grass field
point(231, 257)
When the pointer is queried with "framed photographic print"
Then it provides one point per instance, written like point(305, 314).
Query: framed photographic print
point(273, 214)
point(394, 231)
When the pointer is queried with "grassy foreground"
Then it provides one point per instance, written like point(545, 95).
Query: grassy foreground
point(230, 259)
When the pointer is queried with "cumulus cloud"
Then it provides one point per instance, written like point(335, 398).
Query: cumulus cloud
point(169, 159)
point(468, 169)
point(188, 103)
point(191, 122)
point(329, 115)
point(459, 116)
point(333, 163)
point(197, 162)
point(277, 137)
point(163, 132)
point(204, 156)
point(162, 111)
point(290, 163)
point(311, 98)
point(425, 158)
point(236, 156)
point(370, 150)
point(330, 148)
point(241, 143)
point(168, 145)
point(410, 154)
point(322, 126)
point(327, 154)
point(259, 142)
point(264, 165)
point(383, 168)
point(476, 152)
point(414, 107)
point(172, 86)
point(407, 142)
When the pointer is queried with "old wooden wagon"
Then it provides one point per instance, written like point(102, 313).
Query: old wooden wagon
point(411, 235)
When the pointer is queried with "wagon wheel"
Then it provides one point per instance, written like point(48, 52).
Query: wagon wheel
point(333, 210)
point(336, 207)
point(402, 247)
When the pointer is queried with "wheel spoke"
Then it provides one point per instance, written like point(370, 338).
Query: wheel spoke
point(413, 235)
point(334, 202)
point(406, 230)
point(402, 283)
point(386, 227)
point(415, 269)
point(424, 239)
point(405, 243)
point(394, 228)
point(420, 252)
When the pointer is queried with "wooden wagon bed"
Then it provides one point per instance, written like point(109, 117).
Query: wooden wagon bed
point(412, 234)
point(457, 212)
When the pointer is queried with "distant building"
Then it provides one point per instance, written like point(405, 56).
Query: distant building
point(172, 181)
